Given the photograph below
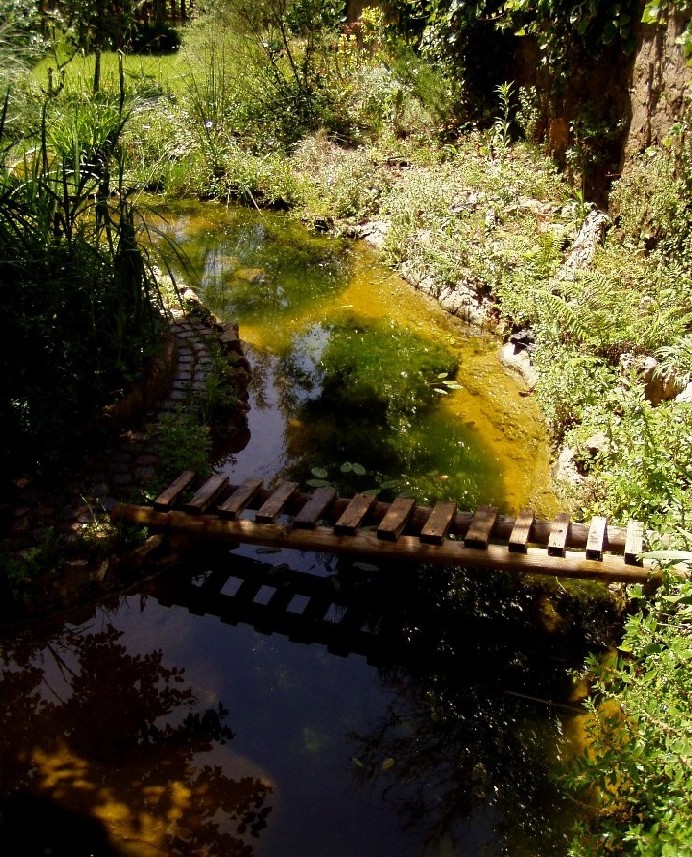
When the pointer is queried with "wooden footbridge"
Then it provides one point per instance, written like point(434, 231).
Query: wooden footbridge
point(284, 517)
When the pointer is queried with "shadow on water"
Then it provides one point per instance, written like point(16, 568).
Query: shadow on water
point(479, 670)
point(473, 672)
point(99, 745)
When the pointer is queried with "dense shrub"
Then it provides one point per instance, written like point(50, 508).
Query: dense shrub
point(635, 774)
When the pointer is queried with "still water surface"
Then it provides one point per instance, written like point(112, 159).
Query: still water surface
point(138, 727)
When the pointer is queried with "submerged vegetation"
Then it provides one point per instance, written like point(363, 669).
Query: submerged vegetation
point(412, 123)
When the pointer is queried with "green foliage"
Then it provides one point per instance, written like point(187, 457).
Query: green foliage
point(652, 201)
point(81, 302)
point(17, 570)
point(344, 184)
point(635, 771)
point(477, 39)
point(182, 442)
point(501, 130)
point(478, 219)
point(656, 11)
point(643, 469)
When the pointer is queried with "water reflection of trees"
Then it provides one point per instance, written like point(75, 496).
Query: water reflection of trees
point(95, 732)
point(475, 729)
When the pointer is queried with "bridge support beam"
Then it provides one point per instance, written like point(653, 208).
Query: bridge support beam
point(407, 548)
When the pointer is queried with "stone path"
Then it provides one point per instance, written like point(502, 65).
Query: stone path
point(128, 462)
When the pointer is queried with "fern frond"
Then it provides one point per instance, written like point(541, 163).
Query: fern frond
point(552, 310)
point(676, 359)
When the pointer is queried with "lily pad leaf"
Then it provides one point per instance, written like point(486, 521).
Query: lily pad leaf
point(390, 483)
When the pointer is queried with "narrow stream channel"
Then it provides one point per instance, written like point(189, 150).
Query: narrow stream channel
point(176, 721)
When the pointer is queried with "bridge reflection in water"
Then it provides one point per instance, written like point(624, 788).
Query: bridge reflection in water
point(390, 613)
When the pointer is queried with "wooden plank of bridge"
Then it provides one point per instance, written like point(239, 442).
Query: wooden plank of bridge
point(395, 519)
point(559, 531)
point(437, 526)
point(315, 508)
point(240, 498)
point(521, 531)
point(274, 505)
point(634, 543)
point(596, 538)
point(354, 514)
point(406, 549)
point(168, 497)
point(478, 533)
point(207, 494)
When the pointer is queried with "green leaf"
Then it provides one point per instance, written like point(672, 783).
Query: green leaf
point(390, 483)
point(346, 467)
point(318, 483)
point(358, 469)
point(319, 472)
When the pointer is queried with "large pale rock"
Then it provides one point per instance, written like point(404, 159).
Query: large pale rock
point(518, 360)
point(565, 469)
point(686, 396)
point(584, 247)
point(658, 387)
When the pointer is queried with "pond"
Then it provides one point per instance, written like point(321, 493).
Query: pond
point(352, 366)
point(391, 710)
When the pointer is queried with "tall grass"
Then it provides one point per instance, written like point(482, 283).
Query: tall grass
point(81, 304)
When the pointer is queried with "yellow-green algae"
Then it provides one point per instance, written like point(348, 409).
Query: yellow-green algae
point(472, 437)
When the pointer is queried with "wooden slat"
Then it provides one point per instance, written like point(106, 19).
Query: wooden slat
point(315, 508)
point(596, 538)
point(275, 503)
point(558, 535)
point(354, 514)
point(521, 531)
point(437, 525)
point(406, 549)
point(240, 498)
point(478, 534)
point(396, 518)
point(168, 497)
point(207, 494)
point(634, 542)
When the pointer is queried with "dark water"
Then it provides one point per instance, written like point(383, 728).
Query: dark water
point(379, 711)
